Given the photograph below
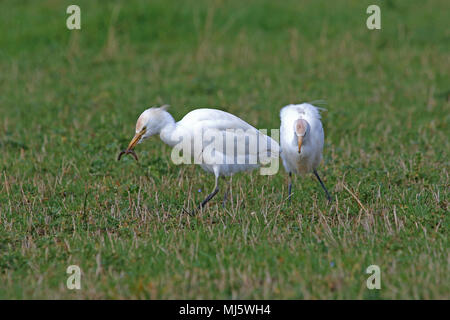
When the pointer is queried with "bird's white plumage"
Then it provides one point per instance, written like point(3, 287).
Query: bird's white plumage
point(312, 147)
point(216, 123)
point(228, 144)
point(219, 123)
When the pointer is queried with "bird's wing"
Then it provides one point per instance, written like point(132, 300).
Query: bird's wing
point(213, 118)
point(220, 123)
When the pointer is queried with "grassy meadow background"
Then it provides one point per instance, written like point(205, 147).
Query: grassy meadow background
point(69, 101)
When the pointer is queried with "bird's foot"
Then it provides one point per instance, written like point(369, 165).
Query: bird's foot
point(192, 213)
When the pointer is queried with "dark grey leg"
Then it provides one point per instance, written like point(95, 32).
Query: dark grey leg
point(323, 186)
point(211, 195)
point(225, 195)
point(225, 198)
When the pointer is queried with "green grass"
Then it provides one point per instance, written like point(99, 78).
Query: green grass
point(69, 101)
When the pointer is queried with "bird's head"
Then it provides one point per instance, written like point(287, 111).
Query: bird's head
point(301, 129)
point(150, 122)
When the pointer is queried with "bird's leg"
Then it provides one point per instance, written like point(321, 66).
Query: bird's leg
point(211, 195)
point(323, 186)
point(225, 198)
point(290, 187)
point(225, 195)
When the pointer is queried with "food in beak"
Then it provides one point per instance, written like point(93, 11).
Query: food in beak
point(132, 144)
point(127, 151)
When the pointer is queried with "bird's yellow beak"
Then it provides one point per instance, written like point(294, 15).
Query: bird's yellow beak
point(137, 137)
point(300, 141)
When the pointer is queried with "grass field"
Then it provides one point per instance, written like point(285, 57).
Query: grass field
point(69, 101)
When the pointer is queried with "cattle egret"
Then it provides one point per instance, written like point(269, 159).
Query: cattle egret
point(248, 142)
point(301, 141)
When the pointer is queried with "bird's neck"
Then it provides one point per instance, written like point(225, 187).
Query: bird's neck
point(168, 127)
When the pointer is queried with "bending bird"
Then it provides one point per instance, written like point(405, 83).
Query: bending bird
point(218, 141)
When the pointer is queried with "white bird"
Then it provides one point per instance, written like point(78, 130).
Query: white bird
point(208, 126)
point(301, 141)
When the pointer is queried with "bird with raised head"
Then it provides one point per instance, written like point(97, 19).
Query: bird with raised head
point(220, 142)
point(301, 141)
